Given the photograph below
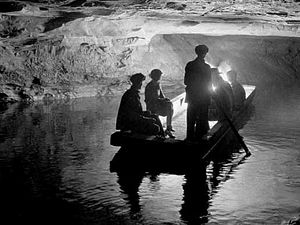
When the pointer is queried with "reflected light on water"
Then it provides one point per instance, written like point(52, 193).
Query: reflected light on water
point(55, 169)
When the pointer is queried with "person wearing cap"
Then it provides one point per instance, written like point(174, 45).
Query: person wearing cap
point(222, 95)
point(239, 94)
point(156, 102)
point(131, 116)
point(197, 79)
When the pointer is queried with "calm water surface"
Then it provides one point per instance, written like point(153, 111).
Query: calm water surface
point(55, 159)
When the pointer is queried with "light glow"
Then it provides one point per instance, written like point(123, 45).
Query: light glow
point(213, 87)
point(223, 68)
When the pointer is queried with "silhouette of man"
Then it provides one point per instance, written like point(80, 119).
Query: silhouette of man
point(239, 94)
point(198, 93)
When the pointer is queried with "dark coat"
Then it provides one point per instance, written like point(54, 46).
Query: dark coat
point(239, 94)
point(198, 81)
point(223, 96)
point(130, 110)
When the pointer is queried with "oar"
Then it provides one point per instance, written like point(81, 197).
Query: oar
point(240, 139)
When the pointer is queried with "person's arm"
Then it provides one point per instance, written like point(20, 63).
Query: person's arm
point(210, 88)
point(187, 75)
point(132, 107)
point(161, 93)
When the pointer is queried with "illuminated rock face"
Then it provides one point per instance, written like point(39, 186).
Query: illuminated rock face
point(87, 48)
point(257, 59)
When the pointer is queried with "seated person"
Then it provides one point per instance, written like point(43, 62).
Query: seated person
point(156, 102)
point(239, 94)
point(222, 96)
point(131, 116)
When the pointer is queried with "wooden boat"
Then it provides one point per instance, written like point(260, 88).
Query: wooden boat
point(151, 152)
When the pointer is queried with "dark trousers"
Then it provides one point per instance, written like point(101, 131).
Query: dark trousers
point(145, 125)
point(158, 123)
point(197, 121)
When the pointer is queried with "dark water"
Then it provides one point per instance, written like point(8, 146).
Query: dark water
point(55, 159)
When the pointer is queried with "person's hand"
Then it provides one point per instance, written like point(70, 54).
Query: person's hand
point(147, 113)
point(150, 119)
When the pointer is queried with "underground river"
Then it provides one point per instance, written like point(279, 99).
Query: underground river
point(54, 161)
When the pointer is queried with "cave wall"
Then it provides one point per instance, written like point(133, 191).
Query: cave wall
point(94, 55)
point(257, 59)
point(83, 67)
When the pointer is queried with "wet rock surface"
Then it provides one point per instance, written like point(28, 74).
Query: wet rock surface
point(87, 47)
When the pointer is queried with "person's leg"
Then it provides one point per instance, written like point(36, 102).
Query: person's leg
point(158, 123)
point(190, 119)
point(146, 126)
point(170, 112)
point(202, 125)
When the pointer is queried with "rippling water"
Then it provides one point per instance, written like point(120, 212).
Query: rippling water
point(55, 159)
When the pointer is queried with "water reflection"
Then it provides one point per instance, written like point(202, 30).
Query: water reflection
point(199, 185)
point(54, 168)
point(129, 185)
point(49, 156)
point(194, 209)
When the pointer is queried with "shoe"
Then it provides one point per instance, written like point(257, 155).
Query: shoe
point(189, 141)
point(170, 128)
point(160, 137)
point(169, 133)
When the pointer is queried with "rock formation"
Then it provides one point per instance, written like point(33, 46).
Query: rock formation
point(89, 47)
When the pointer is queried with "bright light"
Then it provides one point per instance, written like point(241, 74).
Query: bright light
point(213, 87)
point(223, 67)
point(224, 76)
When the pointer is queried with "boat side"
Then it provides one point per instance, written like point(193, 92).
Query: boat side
point(149, 153)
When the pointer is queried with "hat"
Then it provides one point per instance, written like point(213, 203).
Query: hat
point(201, 49)
point(155, 73)
point(137, 78)
point(215, 71)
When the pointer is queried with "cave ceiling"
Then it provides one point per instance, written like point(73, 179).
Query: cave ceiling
point(24, 22)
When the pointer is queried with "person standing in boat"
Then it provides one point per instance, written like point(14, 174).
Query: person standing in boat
point(239, 94)
point(197, 79)
point(157, 103)
point(223, 95)
point(131, 116)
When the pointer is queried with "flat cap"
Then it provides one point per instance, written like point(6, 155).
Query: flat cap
point(201, 49)
point(137, 78)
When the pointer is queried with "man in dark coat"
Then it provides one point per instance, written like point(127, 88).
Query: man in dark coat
point(131, 116)
point(239, 94)
point(198, 94)
point(223, 95)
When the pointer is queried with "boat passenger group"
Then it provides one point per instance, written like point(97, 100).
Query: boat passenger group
point(204, 87)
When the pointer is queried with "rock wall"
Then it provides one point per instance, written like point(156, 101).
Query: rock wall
point(259, 60)
point(84, 48)
point(88, 69)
